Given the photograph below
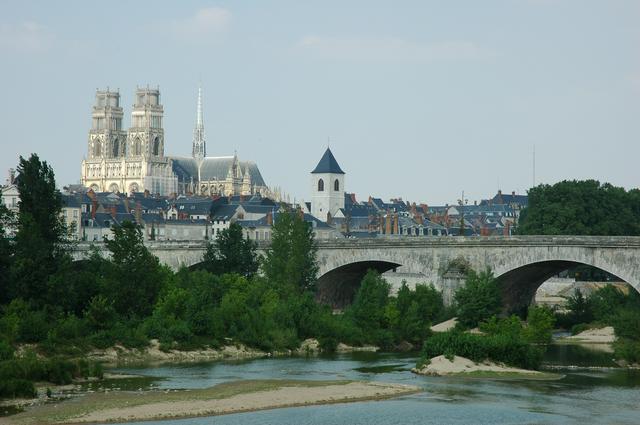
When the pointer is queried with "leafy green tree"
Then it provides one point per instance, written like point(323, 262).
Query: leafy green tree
point(6, 254)
point(39, 241)
point(606, 302)
point(231, 253)
point(290, 262)
point(509, 326)
point(581, 207)
point(412, 312)
point(540, 322)
point(478, 299)
point(135, 277)
point(580, 308)
point(370, 312)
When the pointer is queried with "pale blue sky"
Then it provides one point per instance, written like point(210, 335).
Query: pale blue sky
point(421, 99)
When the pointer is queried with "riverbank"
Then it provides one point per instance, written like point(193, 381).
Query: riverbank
point(231, 397)
point(461, 366)
point(152, 354)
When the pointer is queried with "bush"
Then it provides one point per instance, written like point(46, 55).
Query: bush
point(34, 326)
point(12, 388)
point(579, 328)
point(6, 350)
point(478, 299)
point(498, 347)
point(627, 349)
point(540, 322)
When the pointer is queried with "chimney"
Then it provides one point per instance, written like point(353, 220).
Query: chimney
point(138, 212)
point(388, 223)
point(12, 176)
point(395, 223)
point(269, 219)
point(499, 192)
point(370, 201)
point(113, 211)
point(94, 205)
point(146, 193)
point(353, 198)
point(513, 193)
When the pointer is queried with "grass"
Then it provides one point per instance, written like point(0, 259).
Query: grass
point(65, 412)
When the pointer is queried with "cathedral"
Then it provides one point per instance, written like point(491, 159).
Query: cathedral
point(134, 160)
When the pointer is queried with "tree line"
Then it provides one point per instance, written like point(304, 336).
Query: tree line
point(64, 308)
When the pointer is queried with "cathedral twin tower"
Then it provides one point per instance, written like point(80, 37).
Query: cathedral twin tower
point(134, 160)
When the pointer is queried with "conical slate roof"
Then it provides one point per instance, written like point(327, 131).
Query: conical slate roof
point(327, 164)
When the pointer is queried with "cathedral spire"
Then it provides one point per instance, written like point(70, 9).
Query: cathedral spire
point(199, 144)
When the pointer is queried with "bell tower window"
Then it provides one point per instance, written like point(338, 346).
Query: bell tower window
point(320, 185)
point(336, 185)
point(137, 147)
point(156, 146)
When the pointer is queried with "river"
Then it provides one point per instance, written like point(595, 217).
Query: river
point(587, 394)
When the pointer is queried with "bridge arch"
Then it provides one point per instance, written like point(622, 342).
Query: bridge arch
point(519, 284)
point(338, 286)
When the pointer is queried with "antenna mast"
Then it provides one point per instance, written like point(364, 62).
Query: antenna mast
point(534, 165)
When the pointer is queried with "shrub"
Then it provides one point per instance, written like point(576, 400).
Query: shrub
point(499, 347)
point(628, 350)
point(6, 350)
point(478, 299)
point(540, 323)
point(13, 388)
point(34, 326)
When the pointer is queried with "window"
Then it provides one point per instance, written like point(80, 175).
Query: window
point(336, 185)
point(156, 146)
point(137, 148)
point(116, 148)
point(320, 185)
point(96, 148)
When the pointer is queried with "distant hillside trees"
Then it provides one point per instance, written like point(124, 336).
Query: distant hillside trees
point(581, 207)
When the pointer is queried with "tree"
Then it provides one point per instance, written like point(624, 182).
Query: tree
point(6, 254)
point(416, 310)
point(290, 262)
point(39, 241)
point(478, 299)
point(231, 253)
point(581, 207)
point(580, 307)
point(540, 323)
point(370, 310)
point(135, 277)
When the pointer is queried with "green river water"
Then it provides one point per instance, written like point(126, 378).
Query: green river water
point(592, 391)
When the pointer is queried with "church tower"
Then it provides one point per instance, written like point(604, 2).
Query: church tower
point(199, 150)
point(327, 187)
point(106, 137)
point(146, 135)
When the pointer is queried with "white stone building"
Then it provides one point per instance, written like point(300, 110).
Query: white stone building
point(327, 188)
point(128, 161)
point(134, 160)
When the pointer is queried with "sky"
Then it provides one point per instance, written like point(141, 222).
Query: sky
point(417, 99)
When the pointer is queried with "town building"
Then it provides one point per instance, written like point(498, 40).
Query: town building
point(327, 188)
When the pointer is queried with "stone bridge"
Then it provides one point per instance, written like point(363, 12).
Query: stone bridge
point(521, 263)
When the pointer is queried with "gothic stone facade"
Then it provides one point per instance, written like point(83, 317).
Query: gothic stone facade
point(134, 161)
